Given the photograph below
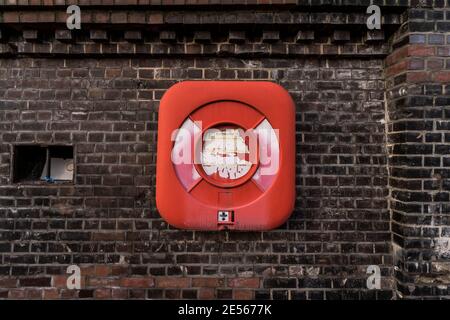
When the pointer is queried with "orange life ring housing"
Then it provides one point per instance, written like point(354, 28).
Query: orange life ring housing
point(226, 155)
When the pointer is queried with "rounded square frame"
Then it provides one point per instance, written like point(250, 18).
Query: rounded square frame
point(273, 207)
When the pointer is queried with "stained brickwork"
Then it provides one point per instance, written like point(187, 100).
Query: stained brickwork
point(99, 90)
point(392, 3)
point(108, 110)
point(418, 83)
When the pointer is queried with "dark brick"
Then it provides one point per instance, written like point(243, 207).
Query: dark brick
point(305, 35)
point(63, 35)
point(341, 35)
point(280, 283)
point(202, 36)
point(236, 36)
point(30, 35)
point(354, 170)
point(98, 35)
point(168, 36)
point(35, 282)
point(270, 36)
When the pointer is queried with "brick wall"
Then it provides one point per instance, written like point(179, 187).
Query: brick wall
point(99, 90)
point(107, 219)
point(418, 79)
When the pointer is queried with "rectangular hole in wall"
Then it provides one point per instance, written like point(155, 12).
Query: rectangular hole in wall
point(34, 163)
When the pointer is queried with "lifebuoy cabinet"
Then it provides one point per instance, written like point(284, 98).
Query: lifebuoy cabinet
point(226, 155)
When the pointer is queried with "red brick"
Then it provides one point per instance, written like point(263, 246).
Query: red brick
point(397, 55)
point(117, 293)
point(206, 293)
point(87, 270)
point(240, 294)
point(17, 294)
point(193, 49)
point(207, 282)
point(92, 48)
point(244, 282)
point(29, 17)
point(118, 270)
point(102, 294)
point(397, 68)
point(87, 17)
point(113, 72)
point(416, 77)
point(155, 18)
point(61, 17)
point(68, 294)
point(51, 294)
point(8, 283)
point(137, 282)
point(11, 16)
point(102, 282)
point(173, 282)
point(443, 76)
point(46, 16)
point(421, 51)
point(59, 281)
point(102, 270)
point(101, 17)
point(34, 294)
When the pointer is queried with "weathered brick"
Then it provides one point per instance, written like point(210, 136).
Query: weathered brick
point(244, 282)
point(98, 35)
point(101, 94)
point(137, 282)
point(35, 282)
point(305, 35)
point(270, 36)
point(63, 35)
point(207, 282)
point(133, 35)
point(30, 35)
point(172, 282)
point(236, 36)
point(202, 36)
point(341, 35)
